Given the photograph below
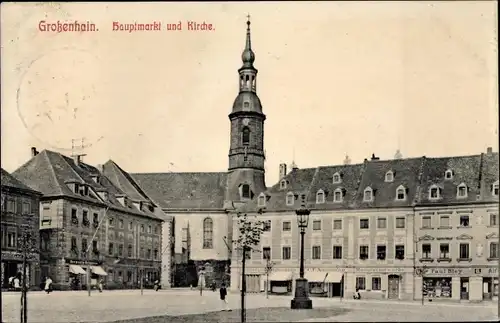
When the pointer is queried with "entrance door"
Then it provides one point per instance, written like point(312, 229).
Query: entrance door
point(487, 288)
point(464, 288)
point(393, 287)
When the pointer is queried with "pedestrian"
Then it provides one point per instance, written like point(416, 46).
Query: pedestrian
point(157, 285)
point(100, 286)
point(223, 294)
point(48, 285)
point(11, 282)
point(17, 283)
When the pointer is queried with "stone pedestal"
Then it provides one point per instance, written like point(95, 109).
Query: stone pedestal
point(301, 300)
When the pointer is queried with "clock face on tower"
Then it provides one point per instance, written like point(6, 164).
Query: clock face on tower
point(246, 121)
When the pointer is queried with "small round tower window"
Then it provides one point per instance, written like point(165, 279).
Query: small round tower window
point(246, 104)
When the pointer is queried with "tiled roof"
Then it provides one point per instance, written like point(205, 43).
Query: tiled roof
point(489, 176)
point(185, 191)
point(50, 172)
point(123, 181)
point(7, 180)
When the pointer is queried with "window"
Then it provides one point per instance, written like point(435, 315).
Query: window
point(448, 174)
point(368, 195)
point(111, 249)
point(26, 208)
point(426, 251)
point(381, 223)
point(267, 226)
point(426, 222)
point(464, 251)
point(361, 283)
point(389, 176)
point(95, 247)
point(245, 191)
point(120, 250)
point(84, 245)
point(399, 252)
point(494, 250)
point(111, 222)
point(129, 251)
point(74, 246)
point(316, 252)
point(11, 205)
point(401, 193)
point(74, 217)
point(444, 251)
point(493, 220)
point(290, 199)
point(262, 200)
point(363, 252)
point(337, 178)
point(85, 218)
point(148, 255)
point(287, 252)
point(337, 252)
point(434, 192)
point(464, 220)
point(245, 136)
point(444, 221)
point(381, 252)
point(266, 253)
point(155, 254)
point(364, 223)
point(150, 229)
point(462, 191)
point(141, 255)
point(142, 228)
point(11, 240)
point(131, 225)
point(316, 225)
point(120, 224)
point(157, 229)
point(283, 184)
point(376, 283)
point(287, 226)
point(95, 220)
point(337, 224)
point(400, 223)
point(208, 233)
point(338, 195)
point(320, 197)
point(494, 189)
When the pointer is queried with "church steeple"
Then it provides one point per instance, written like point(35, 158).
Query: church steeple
point(248, 56)
point(248, 73)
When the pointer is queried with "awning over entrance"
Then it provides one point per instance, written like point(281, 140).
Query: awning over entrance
point(99, 271)
point(280, 276)
point(315, 276)
point(77, 270)
point(334, 277)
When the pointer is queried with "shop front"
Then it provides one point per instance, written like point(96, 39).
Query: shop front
point(12, 266)
point(78, 275)
point(281, 282)
point(324, 284)
point(382, 282)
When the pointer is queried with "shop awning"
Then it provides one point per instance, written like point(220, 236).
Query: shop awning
point(315, 276)
point(99, 271)
point(334, 277)
point(280, 276)
point(77, 270)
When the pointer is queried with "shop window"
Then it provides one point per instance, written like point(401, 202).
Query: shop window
point(337, 252)
point(266, 226)
point(381, 252)
point(337, 224)
point(317, 225)
point(444, 251)
point(494, 250)
point(287, 226)
point(464, 251)
point(364, 224)
point(464, 220)
point(426, 222)
point(426, 251)
point(287, 252)
point(363, 252)
point(437, 287)
point(316, 252)
point(381, 223)
point(360, 283)
point(376, 283)
point(399, 252)
point(400, 223)
point(266, 253)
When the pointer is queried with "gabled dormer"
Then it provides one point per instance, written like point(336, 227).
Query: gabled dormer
point(245, 192)
point(389, 177)
point(338, 195)
point(320, 197)
point(494, 189)
point(96, 178)
point(283, 184)
point(448, 174)
point(78, 188)
point(262, 199)
point(434, 192)
point(337, 178)
point(122, 199)
point(368, 194)
point(138, 205)
point(401, 193)
point(462, 191)
point(290, 199)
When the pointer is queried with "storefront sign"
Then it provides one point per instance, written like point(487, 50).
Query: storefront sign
point(81, 263)
point(18, 256)
point(380, 270)
point(461, 272)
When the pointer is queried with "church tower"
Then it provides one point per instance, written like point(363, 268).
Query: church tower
point(246, 152)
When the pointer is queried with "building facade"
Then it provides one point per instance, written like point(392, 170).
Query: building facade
point(88, 223)
point(20, 221)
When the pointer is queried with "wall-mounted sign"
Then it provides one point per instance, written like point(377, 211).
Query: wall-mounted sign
point(461, 272)
point(379, 270)
point(81, 263)
point(18, 256)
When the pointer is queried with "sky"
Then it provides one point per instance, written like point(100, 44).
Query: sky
point(335, 78)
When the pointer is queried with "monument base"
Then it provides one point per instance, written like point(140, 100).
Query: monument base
point(301, 300)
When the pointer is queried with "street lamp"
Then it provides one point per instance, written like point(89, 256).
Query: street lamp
point(420, 272)
point(301, 299)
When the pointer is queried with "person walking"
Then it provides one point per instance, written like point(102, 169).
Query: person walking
point(157, 285)
point(223, 294)
point(48, 285)
point(100, 286)
point(17, 283)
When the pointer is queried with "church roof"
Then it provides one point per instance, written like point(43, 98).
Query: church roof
point(9, 181)
point(185, 191)
point(254, 104)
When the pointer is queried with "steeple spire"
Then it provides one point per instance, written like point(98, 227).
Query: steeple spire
point(248, 56)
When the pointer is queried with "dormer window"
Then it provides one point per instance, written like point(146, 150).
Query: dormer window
point(245, 191)
point(494, 189)
point(262, 200)
point(337, 178)
point(389, 176)
point(401, 193)
point(290, 198)
point(448, 174)
point(283, 184)
point(83, 190)
point(338, 195)
point(462, 191)
point(368, 194)
point(434, 192)
point(320, 197)
point(245, 136)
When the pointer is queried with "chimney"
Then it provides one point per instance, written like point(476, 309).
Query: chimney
point(489, 151)
point(398, 155)
point(77, 158)
point(294, 166)
point(375, 157)
point(100, 168)
point(282, 170)
point(347, 160)
point(34, 152)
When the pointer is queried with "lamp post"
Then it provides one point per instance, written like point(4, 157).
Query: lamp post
point(420, 272)
point(301, 299)
point(268, 269)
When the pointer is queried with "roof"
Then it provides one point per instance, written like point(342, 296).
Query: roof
point(123, 181)
point(254, 104)
point(9, 181)
point(185, 191)
point(51, 173)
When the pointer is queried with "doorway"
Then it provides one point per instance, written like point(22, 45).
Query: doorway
point(393, 287)
point(464, 288)
point(487, 288)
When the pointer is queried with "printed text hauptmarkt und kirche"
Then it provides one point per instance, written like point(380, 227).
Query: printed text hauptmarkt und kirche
point(119, 26)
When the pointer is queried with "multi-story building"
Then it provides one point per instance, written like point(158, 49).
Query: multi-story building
point(20, 220)
point(88, 222)
point(456, 229)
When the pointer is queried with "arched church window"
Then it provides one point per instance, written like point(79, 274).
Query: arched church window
point(208, 232)
point(245, 136)
point(245, 191)
point(248, 80)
